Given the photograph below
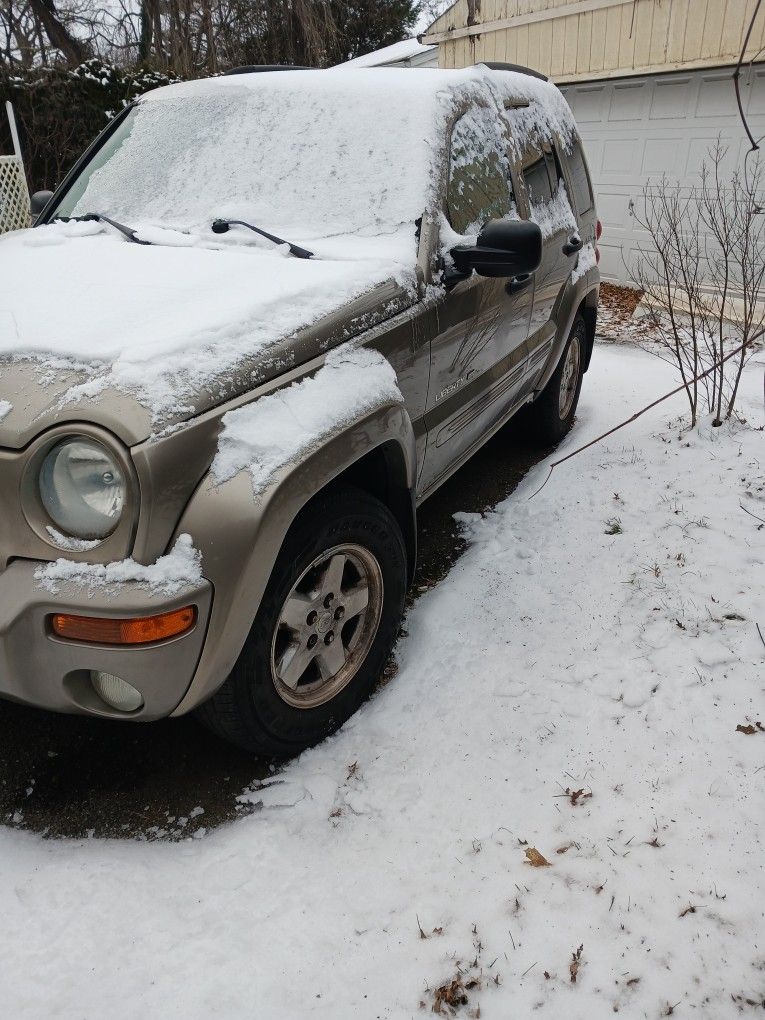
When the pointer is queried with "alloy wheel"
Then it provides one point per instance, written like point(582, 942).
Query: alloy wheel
point(326, 626)
point(570, 378)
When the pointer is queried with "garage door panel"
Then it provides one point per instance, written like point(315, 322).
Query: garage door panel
point(628, 100)
point(633, 131)
point(669, 100)
point(716, 98)
point(660, 156)
point(591, 104)
point(613, 209)
point(753, 92)
point(620, 156)
point(698, 150)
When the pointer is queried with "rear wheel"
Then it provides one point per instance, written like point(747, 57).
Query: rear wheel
point(324, 630)
point(552, 414)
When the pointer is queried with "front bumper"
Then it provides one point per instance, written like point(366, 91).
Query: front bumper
point(38, 668)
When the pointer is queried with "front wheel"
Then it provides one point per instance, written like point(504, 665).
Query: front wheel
point(552, 414)
point(325, 628)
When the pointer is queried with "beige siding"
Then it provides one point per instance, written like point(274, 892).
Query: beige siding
point(589, 39)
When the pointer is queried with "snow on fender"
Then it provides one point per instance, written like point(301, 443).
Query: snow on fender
point(266, 435)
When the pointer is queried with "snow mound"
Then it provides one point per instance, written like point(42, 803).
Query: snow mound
point(72, 544)
point(263, 436)
point(180, 568)
point(5, 409)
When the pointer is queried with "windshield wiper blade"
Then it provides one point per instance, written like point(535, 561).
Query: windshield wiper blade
point(129, 232)
point(222, 226)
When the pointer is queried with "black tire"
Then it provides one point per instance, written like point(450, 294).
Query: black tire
point(248, 710)
point(543, 423)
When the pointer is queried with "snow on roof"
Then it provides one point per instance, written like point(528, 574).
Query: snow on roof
point(305, 154)
point(400, 51)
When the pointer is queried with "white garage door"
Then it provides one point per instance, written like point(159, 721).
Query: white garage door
point(636, 129)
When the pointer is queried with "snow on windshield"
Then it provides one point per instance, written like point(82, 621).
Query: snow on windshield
point(304, 161)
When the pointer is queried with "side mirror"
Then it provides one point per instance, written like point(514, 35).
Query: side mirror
point(38, 201)
point(505, 248)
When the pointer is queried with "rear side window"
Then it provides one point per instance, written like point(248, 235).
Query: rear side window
point(580, 181)
point(479, 172)
point(548, 201)
point(537, 181)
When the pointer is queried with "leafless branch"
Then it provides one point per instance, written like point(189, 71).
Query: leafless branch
point(628, 421)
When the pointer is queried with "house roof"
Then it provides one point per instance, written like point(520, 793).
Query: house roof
point(406, 50)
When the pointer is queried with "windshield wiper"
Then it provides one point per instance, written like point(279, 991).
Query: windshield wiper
point(222, 226)
point(94, 217)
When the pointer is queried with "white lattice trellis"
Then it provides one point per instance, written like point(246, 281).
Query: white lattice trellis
point(14, 195)
point(15, 212)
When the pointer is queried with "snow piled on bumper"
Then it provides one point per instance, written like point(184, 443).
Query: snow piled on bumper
point(180, 568)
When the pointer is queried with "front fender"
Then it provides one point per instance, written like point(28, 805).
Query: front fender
point(240, 535)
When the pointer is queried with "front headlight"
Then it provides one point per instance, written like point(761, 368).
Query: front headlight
point(82, 488)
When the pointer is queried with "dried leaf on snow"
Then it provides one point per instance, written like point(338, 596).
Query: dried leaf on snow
point(535, 859)
point(576, 959)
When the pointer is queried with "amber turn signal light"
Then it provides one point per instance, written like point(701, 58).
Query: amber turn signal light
point(142, 630)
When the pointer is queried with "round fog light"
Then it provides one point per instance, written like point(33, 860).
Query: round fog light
point(116, 692)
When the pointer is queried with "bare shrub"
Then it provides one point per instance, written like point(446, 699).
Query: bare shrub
point(703, 271)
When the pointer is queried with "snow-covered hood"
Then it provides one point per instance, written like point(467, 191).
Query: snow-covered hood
point(95, 328)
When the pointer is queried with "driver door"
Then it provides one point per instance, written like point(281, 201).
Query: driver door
point(479, 352)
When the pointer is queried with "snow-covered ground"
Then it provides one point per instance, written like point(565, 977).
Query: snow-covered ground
point(585, 688)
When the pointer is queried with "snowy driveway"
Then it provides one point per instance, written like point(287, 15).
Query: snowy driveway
point(599, 638)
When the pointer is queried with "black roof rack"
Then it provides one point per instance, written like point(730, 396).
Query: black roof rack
point(256, 68)
point(496, 65)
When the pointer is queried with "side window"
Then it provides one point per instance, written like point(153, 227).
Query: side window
point(580, 180)
point(548, 200)
point(537, 181)
point(479, 172)
point(553, 168)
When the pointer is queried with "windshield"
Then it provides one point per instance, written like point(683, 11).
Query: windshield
point(303, 162)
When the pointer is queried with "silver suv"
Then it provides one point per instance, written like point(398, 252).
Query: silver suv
point(263, 318)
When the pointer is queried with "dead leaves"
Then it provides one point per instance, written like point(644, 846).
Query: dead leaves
point(750, 729)
point(744, 1000)
point(575, 797)
point(468, 982)
point(423, 935)
point(451, 995)
point(535, 859)
point(576, 960)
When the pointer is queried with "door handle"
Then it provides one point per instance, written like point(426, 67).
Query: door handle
point(519, 283)
point(573, 245)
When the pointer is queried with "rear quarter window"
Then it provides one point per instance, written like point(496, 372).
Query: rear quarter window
point(580, 180)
